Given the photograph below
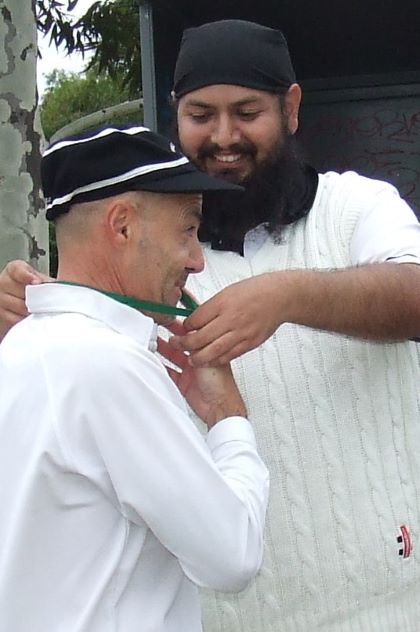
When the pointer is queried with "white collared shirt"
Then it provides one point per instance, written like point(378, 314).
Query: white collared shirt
point(113, 506)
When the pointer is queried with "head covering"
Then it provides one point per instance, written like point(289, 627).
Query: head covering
point(113, 160)
point(233, 52)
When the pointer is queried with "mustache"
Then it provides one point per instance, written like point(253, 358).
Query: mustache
point(208, 150)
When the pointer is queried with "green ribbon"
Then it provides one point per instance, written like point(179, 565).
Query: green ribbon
point(149, 306)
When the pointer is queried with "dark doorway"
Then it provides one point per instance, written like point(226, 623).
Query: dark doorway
point(359, 66)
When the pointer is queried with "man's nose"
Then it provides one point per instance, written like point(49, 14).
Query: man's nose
point(196, 261)
point(225, 132)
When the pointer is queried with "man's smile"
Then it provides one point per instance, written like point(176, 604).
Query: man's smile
point(227, 158)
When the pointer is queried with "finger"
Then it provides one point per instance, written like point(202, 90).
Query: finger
point(42, 278)
point(176, 327)
point(193, 341)
point(234, 352)
point(8, 319)
point(175, 342)
point(13, 307)
point(204, 314)
point(213, 353)
point(21, 273)
point(179, 358)
point(174, 375)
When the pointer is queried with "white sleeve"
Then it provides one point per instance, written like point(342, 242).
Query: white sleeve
point(204, 498)
point(387, 231)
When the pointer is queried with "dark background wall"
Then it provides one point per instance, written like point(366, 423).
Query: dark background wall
point(374, 130)
point(358, 62)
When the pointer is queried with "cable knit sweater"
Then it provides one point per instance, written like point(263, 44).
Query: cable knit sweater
point(338, 424)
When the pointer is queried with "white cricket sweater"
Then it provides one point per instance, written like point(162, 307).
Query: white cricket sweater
point(338, 424)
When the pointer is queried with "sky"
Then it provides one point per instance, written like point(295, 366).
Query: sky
point(53, 58)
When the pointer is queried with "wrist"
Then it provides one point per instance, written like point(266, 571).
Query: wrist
point(222, 411)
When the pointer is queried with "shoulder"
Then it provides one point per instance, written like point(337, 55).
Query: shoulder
point(347, 197)
point(342, 202)
point(84, 351)
point(351, 186)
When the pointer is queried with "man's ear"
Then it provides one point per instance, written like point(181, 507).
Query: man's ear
point(121, 220)
point(291, 105)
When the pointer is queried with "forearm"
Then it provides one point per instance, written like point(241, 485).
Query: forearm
point(378, 301)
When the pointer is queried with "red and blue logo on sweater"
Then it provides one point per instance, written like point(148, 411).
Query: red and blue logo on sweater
point(404, 541)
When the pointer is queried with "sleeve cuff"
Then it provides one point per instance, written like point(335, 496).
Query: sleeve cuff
point(230, 429)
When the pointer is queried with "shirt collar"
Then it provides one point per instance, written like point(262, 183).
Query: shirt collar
point(53, 298)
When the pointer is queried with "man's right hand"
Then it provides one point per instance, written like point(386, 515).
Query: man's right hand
point(211, 392)
point(13, 280)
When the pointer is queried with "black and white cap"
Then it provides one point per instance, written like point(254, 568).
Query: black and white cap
point(113, 160)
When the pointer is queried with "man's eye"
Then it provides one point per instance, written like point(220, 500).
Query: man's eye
point(199, 117)
point(248, 115)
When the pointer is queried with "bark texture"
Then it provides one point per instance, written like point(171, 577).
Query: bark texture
point(23, 228)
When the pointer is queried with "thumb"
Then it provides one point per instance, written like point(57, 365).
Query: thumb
point(39, 277)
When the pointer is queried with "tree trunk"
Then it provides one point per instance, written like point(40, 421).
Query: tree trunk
point(23, 228)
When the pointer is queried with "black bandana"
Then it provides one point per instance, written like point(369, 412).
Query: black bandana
point(233, 52)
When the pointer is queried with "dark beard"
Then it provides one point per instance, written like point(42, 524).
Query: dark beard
point(276, 194)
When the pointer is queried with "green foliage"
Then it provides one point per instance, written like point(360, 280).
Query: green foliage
point(110, 28)
point(116, 25)
point(54, 18)
point(70, 96)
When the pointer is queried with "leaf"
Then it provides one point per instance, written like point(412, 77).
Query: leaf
point(109, 29)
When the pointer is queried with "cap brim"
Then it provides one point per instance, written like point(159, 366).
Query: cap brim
point(187, 182)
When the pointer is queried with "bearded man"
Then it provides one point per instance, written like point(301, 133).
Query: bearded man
point(315, 278)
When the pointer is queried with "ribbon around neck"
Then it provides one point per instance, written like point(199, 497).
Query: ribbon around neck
point(149, 306)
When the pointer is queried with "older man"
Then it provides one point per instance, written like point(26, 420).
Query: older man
point(322, 269)
point(114, 507)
